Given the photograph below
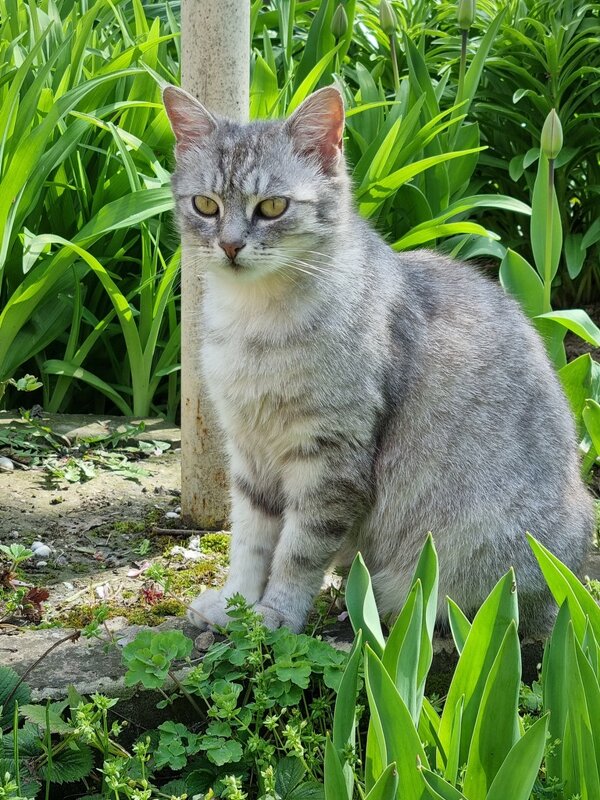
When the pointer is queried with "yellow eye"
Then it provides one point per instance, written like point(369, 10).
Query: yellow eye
point(273, 207)
point(206, 205)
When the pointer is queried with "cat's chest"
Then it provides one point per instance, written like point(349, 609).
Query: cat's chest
point(263, 393)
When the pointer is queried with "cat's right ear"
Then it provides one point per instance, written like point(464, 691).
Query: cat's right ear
point(190, 121)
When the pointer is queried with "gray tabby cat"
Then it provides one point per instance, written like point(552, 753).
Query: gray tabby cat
point(367, 397)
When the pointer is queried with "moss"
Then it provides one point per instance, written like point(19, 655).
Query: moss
point(156, 613)
point(153, 517)
point(139, 614)
point(186, 581)
point(217, 543)
point(129, 526)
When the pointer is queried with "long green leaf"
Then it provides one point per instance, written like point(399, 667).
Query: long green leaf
point(483, 643)
point(564, 585)
point(361, 605)
point(394, 728)
point(496, 727)
point(517, 775)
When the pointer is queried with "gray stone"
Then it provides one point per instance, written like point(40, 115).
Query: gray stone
point(82, 425)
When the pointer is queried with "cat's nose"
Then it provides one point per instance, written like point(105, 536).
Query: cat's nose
point(231, 248)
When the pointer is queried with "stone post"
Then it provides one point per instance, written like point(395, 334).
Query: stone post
point(215, 68)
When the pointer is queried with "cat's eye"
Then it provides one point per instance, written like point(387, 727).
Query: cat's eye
point(272, 208)
point(206, 205)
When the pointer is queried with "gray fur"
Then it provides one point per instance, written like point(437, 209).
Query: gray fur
point(367, 397)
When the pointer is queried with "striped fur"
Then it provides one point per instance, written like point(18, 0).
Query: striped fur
point(367, 397)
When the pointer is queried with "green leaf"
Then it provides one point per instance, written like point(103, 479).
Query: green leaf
point(375, 193)
point(12, 691)
point(546, 228)
point(429, 232)
point(39, 714)
point(520, 280)
point(312, 79)
point(394, 729)
point(436, 788)
point(290, 772)
point(591, 418)
point(344, 717)
point(574, 254)
point(554, 687)
point(564, 585)
point(453, 763)
point(57, 367)
point(576, 380)
point(68, 765)
point(480, 650)
point(335, 783)
point(387, 785)
point(577, 321)
point(402, 650)
point(517, 774)
point(580, 761)
point(459, 625)
point(222, 751)
point(496, 727)
point(473, 74)
point(361, 605)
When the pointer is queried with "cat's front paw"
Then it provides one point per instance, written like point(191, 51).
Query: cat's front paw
point(209, 609)
point(273, 618)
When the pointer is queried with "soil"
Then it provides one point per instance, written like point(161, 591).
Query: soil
point(104, 533)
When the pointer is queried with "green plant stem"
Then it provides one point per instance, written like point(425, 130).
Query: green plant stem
point(185, 693)
point(48, 743)
point(462, 69)
point(394, 54)
point(548, 241)
point(16, 748)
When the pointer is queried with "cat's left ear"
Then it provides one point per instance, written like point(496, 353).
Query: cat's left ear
point(190, 121)
point(317, 127)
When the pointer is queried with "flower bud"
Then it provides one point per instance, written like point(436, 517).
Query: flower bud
point(387, 17)
point(552, 136)
point(339, 22)
point(466, 14)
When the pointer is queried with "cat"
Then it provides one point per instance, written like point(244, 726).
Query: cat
point(366, 396)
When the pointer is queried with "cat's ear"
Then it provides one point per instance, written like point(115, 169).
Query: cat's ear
point(317, 127)
point(190, 121)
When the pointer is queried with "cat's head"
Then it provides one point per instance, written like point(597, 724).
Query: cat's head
point(266, 197)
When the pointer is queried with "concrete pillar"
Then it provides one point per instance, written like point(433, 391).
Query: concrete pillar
point(215, 68)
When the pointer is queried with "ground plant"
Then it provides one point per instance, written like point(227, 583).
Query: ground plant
point(283, 716)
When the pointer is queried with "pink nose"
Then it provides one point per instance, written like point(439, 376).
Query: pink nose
point(231, 248)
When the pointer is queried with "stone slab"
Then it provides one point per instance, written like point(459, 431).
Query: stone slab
point(83, 425)
point(91, 666)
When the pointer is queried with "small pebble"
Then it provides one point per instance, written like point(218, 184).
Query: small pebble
point(41, 563)
point(203, 641)
point(172, 515)
point(41, 551)
point(35, 545)
point(6, 465)
point(61, 561)
point(177, 510)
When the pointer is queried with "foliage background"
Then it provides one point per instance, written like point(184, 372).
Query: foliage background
point(443, 150)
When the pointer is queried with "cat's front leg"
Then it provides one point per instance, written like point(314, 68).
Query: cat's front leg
point(326, 493)
point(256, 515)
